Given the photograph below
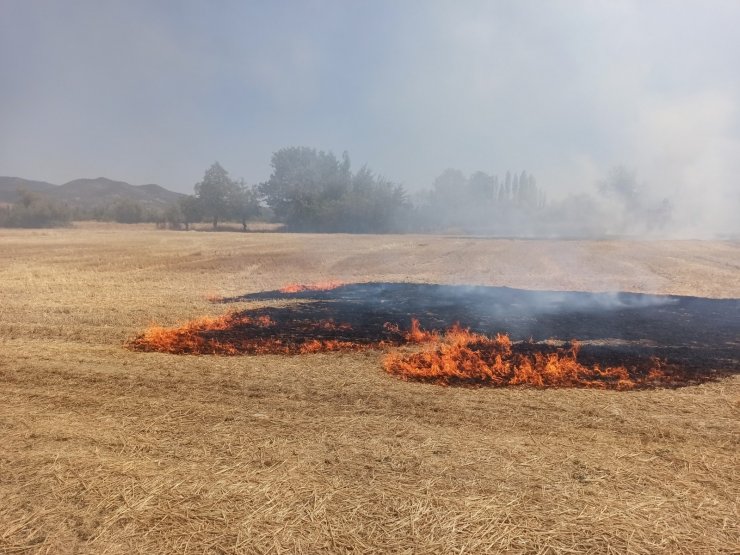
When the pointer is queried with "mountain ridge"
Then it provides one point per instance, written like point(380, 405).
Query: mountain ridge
point(89, 192)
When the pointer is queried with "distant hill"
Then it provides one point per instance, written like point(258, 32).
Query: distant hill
point(89, 193)
point(10, 185)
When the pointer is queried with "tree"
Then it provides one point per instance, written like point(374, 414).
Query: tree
point(312, 190)
point(451, 187)
point(191, 210)
point(637, 210)
point(621, 184)
point(303, 184)
point(126, 211)
point(35, 210)
point(213, 193)
point(481, 187)
point(481, 203)
point(373, 205)
point(505, 193)
point(172, 216)
point(243, 203)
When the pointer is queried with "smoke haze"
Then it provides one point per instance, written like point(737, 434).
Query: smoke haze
point(156, 91)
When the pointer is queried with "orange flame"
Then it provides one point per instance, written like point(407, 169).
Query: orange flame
point(463, 357)
point(190, 337)
point(235, 333)
point(417, 335)
point(319, 286)
point(455, 357)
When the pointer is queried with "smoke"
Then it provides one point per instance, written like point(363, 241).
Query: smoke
point(665, 320)
point(697, 161)
point(147, 92)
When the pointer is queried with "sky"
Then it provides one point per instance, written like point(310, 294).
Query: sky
point(156, 91)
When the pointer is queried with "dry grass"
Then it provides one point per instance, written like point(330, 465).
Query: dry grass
point(104, 450)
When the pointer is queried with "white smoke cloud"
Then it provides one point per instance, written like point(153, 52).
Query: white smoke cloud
point(155, 92)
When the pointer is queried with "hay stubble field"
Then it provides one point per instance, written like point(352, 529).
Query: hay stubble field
point(104, 450)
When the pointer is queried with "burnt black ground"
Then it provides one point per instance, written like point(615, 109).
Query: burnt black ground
point(695, 332)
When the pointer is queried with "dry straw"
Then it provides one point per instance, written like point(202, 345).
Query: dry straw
point(104, 450)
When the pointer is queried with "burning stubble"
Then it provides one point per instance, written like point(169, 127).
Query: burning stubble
point(623, 348)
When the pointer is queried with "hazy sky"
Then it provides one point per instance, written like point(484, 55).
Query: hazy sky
point(147, 91)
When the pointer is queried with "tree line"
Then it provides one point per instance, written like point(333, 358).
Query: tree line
point(34, 210)
point(310, 190)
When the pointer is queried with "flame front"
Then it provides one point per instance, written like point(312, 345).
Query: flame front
point(461, 357)
point(194, 337)
point(235, 333)
point(455, 357)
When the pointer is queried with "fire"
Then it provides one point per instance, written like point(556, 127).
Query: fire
point(415, 334)
point(455, 357)
point(319, 286)
point(460, 357)
point(193, 337)
point(237, 333)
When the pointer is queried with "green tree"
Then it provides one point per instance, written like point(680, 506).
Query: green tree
point(172, 216)
point(35, 210)
point(191, 210)
point(305, 183)
point(214, 192)
point(243, 203)
point(126, 211)
point(312, 190)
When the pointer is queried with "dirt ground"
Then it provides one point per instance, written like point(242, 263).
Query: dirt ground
point(104, 450)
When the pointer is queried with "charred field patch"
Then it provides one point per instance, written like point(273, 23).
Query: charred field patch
point(675, 340)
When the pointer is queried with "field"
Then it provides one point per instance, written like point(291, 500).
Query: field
point(104, 450)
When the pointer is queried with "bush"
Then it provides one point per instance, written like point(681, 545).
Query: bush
point(34, 210)
point(126, 211)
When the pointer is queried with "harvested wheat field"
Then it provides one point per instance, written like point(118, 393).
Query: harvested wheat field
point(106, 448)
